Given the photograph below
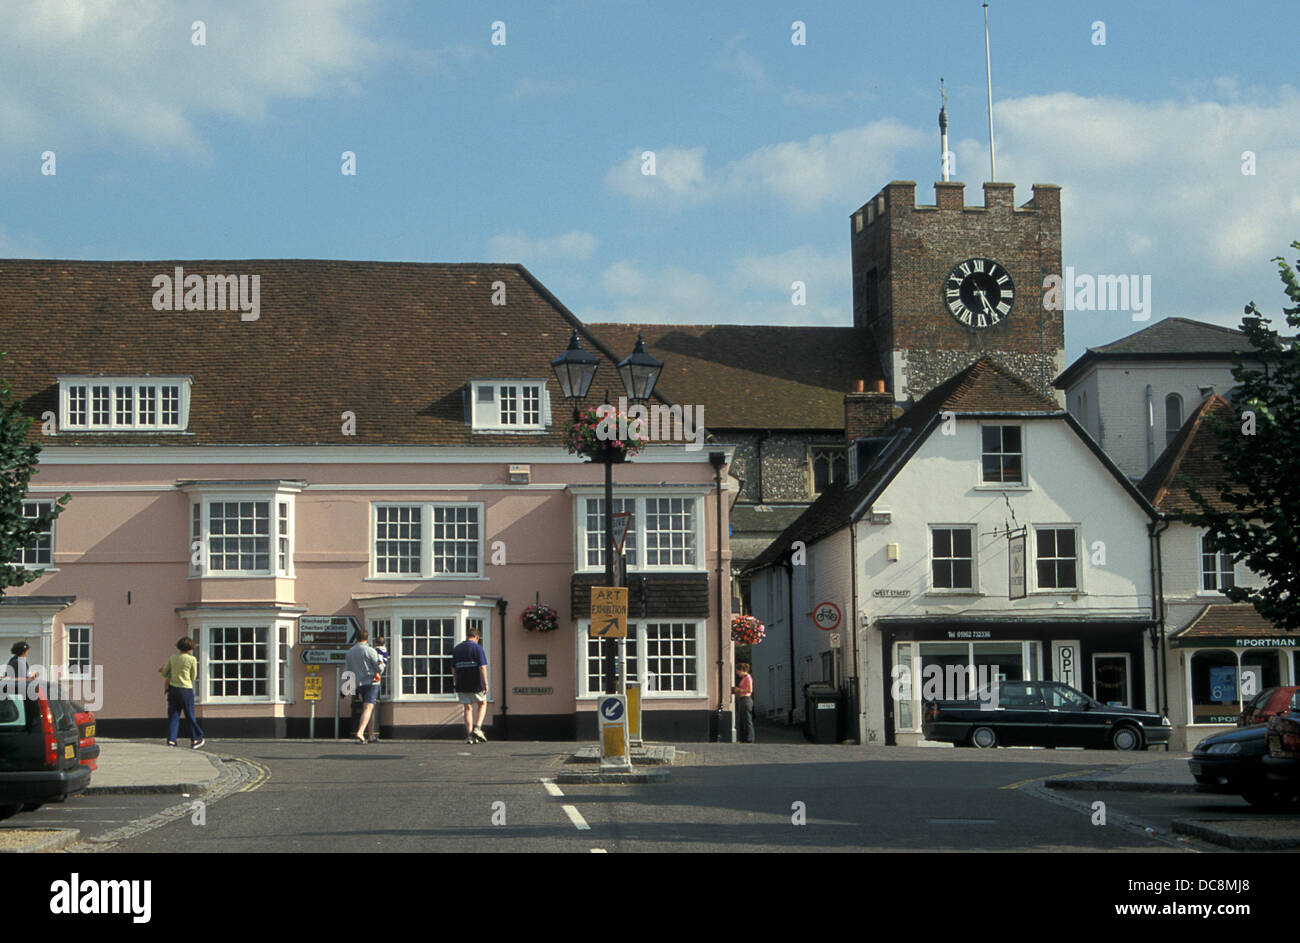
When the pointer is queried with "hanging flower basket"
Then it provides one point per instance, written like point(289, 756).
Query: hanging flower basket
point(540, 618)
point(746, 630)
point(601, 430)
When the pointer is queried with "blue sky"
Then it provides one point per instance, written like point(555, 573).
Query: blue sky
point(529, 151)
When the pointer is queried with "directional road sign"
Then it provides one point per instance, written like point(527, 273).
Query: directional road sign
point(608, 612)
point(324, 656)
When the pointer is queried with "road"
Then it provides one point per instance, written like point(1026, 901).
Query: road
point(404, 796)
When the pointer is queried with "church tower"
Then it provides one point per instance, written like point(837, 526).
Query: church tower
point(940, 286)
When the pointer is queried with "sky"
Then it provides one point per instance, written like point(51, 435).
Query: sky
point(514, 132)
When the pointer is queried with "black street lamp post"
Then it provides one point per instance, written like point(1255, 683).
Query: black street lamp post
point(575, 369)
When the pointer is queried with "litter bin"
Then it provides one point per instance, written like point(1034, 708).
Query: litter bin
point(821, 713)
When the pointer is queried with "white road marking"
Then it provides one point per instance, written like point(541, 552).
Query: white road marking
point(576, 818)
point(551, 788)
point(599, 851)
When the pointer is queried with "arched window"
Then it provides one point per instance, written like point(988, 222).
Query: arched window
point(1173, 416)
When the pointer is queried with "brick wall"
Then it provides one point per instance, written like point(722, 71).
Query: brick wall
point(907, 251)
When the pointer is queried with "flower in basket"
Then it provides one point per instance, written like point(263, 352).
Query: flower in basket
point(599, 427)
point(540, 618)
point(747, 630)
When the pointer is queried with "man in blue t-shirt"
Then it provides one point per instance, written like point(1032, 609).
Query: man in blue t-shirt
point(469, 667)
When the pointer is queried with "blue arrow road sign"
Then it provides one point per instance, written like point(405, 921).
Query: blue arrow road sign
point(611, 708)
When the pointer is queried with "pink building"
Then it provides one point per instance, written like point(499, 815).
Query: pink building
point(316, 438)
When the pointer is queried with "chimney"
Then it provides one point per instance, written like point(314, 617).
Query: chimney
point(867, 414)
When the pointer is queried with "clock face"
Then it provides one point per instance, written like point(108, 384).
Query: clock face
point(979, 293)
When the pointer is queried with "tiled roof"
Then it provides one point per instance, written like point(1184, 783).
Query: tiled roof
point(983, 387)
point(755, 377)
point(393, 342)
point(1228, 619)
point(1190, 455)
point(1172, 338)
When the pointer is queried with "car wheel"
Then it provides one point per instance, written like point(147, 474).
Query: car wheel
point(985, 738)
point(1126, 738)
point(1273, 800)
point(7, 811)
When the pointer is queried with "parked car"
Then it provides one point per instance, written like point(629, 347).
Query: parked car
point(1041, 713)
point(1269, 703)
point(39, 760)
point(1282, 764)
point(1232, 762)
point(87, 748)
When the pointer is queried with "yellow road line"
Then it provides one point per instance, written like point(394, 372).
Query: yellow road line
point(263, 774)
point(1025, 782)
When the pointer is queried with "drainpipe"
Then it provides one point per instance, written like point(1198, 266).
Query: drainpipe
point(505, 688)
point(1155, 529)
point(1151, 427)
point(853, 622)
point(789, 600)
point(717, 460)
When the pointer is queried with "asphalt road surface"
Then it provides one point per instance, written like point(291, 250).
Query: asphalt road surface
point(419, 796)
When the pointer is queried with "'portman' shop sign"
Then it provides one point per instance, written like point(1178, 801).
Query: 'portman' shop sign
point(1228, 641)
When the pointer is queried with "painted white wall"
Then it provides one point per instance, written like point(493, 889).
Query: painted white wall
point(1066, 484)
point(1116, 396)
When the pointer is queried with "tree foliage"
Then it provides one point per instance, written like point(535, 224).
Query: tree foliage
point(18, 459)
point(1257, 516)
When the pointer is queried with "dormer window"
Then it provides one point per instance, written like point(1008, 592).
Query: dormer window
point(124, 404)
point(509, 406)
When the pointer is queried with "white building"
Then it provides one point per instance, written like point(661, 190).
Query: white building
point(1134, 395)
point(915, 552)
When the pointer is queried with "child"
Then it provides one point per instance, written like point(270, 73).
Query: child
point(744, 691)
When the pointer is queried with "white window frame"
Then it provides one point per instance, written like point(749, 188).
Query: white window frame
point(204, 496)
point(426, 571)
point(638, 627)
point(1079, 557)
point(1219, 559)
point(24, 563)
point(273, 625)
point(393, 611)
point(636, 559)
point(68, 643)
point(123, 405)
point(1023, 483)
point(485, 415)
point(974, 561)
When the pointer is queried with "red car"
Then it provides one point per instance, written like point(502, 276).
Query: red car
point(87, 749)
point(1270, 702)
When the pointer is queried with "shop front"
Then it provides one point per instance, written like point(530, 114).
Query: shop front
point(1105, 659)
point(1223, 658)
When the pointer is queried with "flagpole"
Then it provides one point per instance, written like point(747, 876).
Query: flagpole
point(988, 67)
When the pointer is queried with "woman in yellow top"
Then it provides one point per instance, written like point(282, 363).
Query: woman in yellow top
point(181, 671)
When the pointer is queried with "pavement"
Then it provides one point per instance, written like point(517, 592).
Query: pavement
point(1267, 832)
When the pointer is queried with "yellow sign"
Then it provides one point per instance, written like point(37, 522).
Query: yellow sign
point(311, 687)
point(608, 612)
point(634, 712)
point(614, 742)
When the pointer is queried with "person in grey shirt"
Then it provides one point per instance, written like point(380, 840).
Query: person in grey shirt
point(365, 666)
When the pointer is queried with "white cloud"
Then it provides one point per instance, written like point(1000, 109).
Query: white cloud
point(127, 69)
point(516, 247)
point(754, 290)
point(678, 174)
point(824, 170)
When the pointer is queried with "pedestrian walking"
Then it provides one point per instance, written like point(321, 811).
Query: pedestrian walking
point(365, 666)
point(469, 668)
point(180, 672)
point(744, 691)
point(381, 649)
point(19, 671)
